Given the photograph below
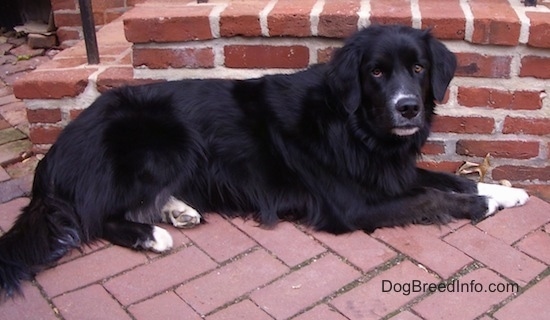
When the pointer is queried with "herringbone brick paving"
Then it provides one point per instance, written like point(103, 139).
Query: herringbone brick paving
point(291, 271)
point(233, 269)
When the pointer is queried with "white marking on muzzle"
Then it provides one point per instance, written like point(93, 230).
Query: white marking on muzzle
point(404, 131)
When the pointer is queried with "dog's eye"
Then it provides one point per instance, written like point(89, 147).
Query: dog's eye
point(376, 72)
point(418, 68)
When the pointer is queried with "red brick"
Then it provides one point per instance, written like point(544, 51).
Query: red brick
point(219, 239)
point(99, 18)
point(126, 59)
point(242, 18)
point(446, 24)
point(133, 3)
point(338, 18)
point(74, 113)
point(485, 97)
point(439, 231)
point(324, 55)
point(41, 148)
point(495, 254)
point(532, 304)
point(263, 56)
point(163, 58)
point(119, 76)
point(64, 62)
point(482, 65)
point(373, 253)
point(520, 173)
point(498, 149)
point(540, 126)
point(433, 147)
point(44, 115)
point(288, 243)
point(231, 281)
point(368, 301)
point(494, 98)
point(321, 311)
point(44, 134)
point(536, 245)
point(31, 306)
point(89, 303)
point(302, 288)
point(458, 124)
point(63, 5)
point(511, 225)
point(65, 34)
point(113, 14)
point(495, 22)
point(391, 12)
point(52, 84)
point(167, 24)
point(69, 276)
point(176, 268)
point(242, 310)
point(3, 174)
point(165, 306)
point(535, 66)
point(538, 190)
point(8, 99)
point(111, 36)
point(464, 304)
point(527, 100)
point(80, 252)
point(290, 18)
point(416, 243)
point(539, 29)
point(5, 90)
point(103, 5)
point(445, 166)
point(67, 19)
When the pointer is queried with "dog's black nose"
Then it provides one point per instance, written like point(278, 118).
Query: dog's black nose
point(408, 107)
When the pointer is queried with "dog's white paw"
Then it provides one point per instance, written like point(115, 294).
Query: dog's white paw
point(492, 206)
point(500, 197)
point(162, 241)
point(180, 214)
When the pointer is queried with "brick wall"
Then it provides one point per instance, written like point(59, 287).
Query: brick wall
point(498, 102)
point(67, 16)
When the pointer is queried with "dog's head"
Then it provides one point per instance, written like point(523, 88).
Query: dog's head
point(387, 78)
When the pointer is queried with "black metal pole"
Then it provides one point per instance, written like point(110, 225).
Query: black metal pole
point(88, 28)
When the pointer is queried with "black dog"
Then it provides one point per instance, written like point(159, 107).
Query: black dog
point(333, 147)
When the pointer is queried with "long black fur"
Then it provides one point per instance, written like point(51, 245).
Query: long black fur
point(315, 147)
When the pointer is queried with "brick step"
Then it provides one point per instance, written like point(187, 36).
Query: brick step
point(498, 103)
point(499, 22)
point(156, 27)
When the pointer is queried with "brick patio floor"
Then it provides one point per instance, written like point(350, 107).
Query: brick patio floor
point(232, 269)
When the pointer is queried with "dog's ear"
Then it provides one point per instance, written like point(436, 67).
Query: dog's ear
point(344, 76)
point(443, 67)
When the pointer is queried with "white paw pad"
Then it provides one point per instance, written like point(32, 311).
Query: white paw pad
point(500, 197)
point(180, 214)
point(162, 240)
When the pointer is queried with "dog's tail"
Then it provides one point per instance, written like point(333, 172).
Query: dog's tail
point(42, 234)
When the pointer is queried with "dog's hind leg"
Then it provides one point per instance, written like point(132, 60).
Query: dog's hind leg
point(180, 214)
point(136, 235)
